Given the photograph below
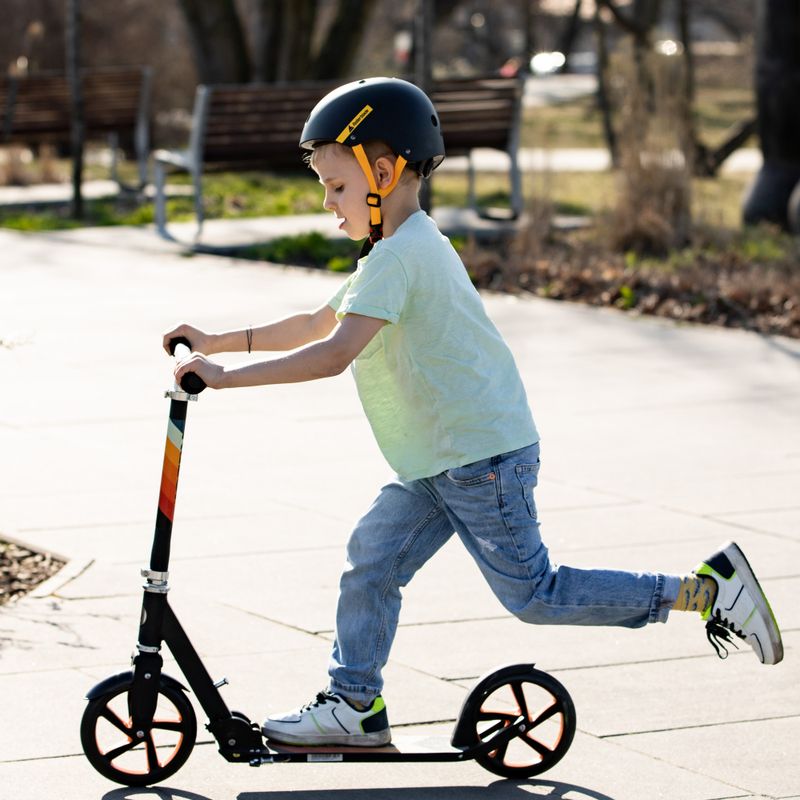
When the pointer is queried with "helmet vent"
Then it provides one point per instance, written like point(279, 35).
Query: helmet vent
point(434, 121)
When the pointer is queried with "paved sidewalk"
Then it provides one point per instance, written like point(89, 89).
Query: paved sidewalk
point(659, 442)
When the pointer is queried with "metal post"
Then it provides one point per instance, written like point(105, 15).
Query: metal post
point(77, 129)
point(423, 33)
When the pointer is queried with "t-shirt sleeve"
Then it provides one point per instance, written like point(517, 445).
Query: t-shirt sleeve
point(379, 289)
point(336, 301)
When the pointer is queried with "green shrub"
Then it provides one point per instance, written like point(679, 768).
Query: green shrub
point(307, 250)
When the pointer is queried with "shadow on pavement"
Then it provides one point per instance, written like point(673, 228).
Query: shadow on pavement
point(160, 792)
point(502, 790)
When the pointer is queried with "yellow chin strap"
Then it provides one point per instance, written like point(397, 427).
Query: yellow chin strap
point(376, 195)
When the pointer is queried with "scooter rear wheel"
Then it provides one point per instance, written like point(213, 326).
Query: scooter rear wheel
point(548, 714)
point(138, 758)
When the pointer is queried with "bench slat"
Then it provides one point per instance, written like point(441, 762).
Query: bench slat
point(41, 108)
point(472, 112)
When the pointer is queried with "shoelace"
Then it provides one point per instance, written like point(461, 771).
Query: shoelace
point(320, 700)
point(718, 632)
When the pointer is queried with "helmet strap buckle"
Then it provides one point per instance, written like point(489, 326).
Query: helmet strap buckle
point(375, 217)
point(375, 195)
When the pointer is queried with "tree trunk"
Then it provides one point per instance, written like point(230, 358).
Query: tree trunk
point(529, 32)
point(692, 147)
point(423, 33)
point(340, 48)
point(78, 126)
point(777, 90)
point(267, 40)
point(646, 14)
point(218, 44)
point(603, 95)
point(295, 53)
point(567, 39)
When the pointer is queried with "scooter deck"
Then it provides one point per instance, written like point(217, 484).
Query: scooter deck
point(402, 748)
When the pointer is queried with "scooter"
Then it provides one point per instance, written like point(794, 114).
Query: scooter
point(139, 726)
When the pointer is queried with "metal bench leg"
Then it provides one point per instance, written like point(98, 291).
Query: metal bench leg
point(159, 174)
point(516, 185)
point(197, 180)
point(141, 134)
point(471, 199)
point(113, 144)
point(141, 158)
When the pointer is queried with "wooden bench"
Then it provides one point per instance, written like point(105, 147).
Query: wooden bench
point(238, 127)
point(257, 126)
point(482, 113)
point(36, 110)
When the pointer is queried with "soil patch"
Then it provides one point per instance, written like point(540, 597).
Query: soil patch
point(746, 284)
point(22, 570)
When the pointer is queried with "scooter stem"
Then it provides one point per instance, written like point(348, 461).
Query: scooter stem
point(179, 397)
point(159, 555)
point(143, 694)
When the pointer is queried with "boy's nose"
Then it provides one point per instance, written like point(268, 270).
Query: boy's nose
point(328, 203)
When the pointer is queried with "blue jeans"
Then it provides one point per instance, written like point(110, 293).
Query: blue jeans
point(490, 505)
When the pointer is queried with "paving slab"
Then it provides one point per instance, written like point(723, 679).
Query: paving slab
point(461, 650)
point(199, 536)
point(776, 771)
point(47, 707)
point(659, 442)
point(53, 633)
point(655, 696)
point(570, 529)
point(785, 523)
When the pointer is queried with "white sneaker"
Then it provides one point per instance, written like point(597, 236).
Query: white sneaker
point(331, 720)
point(740, 607)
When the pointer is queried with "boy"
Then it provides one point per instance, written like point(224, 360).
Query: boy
point(447, 406)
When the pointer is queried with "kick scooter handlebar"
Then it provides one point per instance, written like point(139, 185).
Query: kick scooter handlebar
point(181, 348)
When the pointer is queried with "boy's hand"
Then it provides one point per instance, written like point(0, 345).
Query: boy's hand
point(213, 374)
point(201, 342)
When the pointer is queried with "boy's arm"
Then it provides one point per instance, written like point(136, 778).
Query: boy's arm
point(320, 360)
point(283, 334)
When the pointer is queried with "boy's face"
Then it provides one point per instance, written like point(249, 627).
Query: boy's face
point(346, 190)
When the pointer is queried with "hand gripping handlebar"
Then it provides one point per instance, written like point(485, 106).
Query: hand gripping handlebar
point(181, 348)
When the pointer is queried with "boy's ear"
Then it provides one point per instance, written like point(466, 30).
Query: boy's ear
point(384, 171)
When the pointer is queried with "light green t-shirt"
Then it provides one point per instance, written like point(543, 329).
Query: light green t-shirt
point(438, 383)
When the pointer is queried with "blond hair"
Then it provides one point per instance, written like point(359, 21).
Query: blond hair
point(374, 149)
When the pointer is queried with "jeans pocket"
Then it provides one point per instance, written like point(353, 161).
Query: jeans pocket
point(528, 477)
point(472, 474)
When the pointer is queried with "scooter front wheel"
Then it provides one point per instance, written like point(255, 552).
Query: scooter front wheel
point(138, 757)
point(534, 701)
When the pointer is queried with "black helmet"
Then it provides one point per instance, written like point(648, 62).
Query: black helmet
point(389, 109)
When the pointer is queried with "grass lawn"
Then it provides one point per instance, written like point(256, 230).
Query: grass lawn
point(715, 201)
point(578, 123)
point(232, 196)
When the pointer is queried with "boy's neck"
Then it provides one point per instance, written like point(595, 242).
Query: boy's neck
point(398, 207)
